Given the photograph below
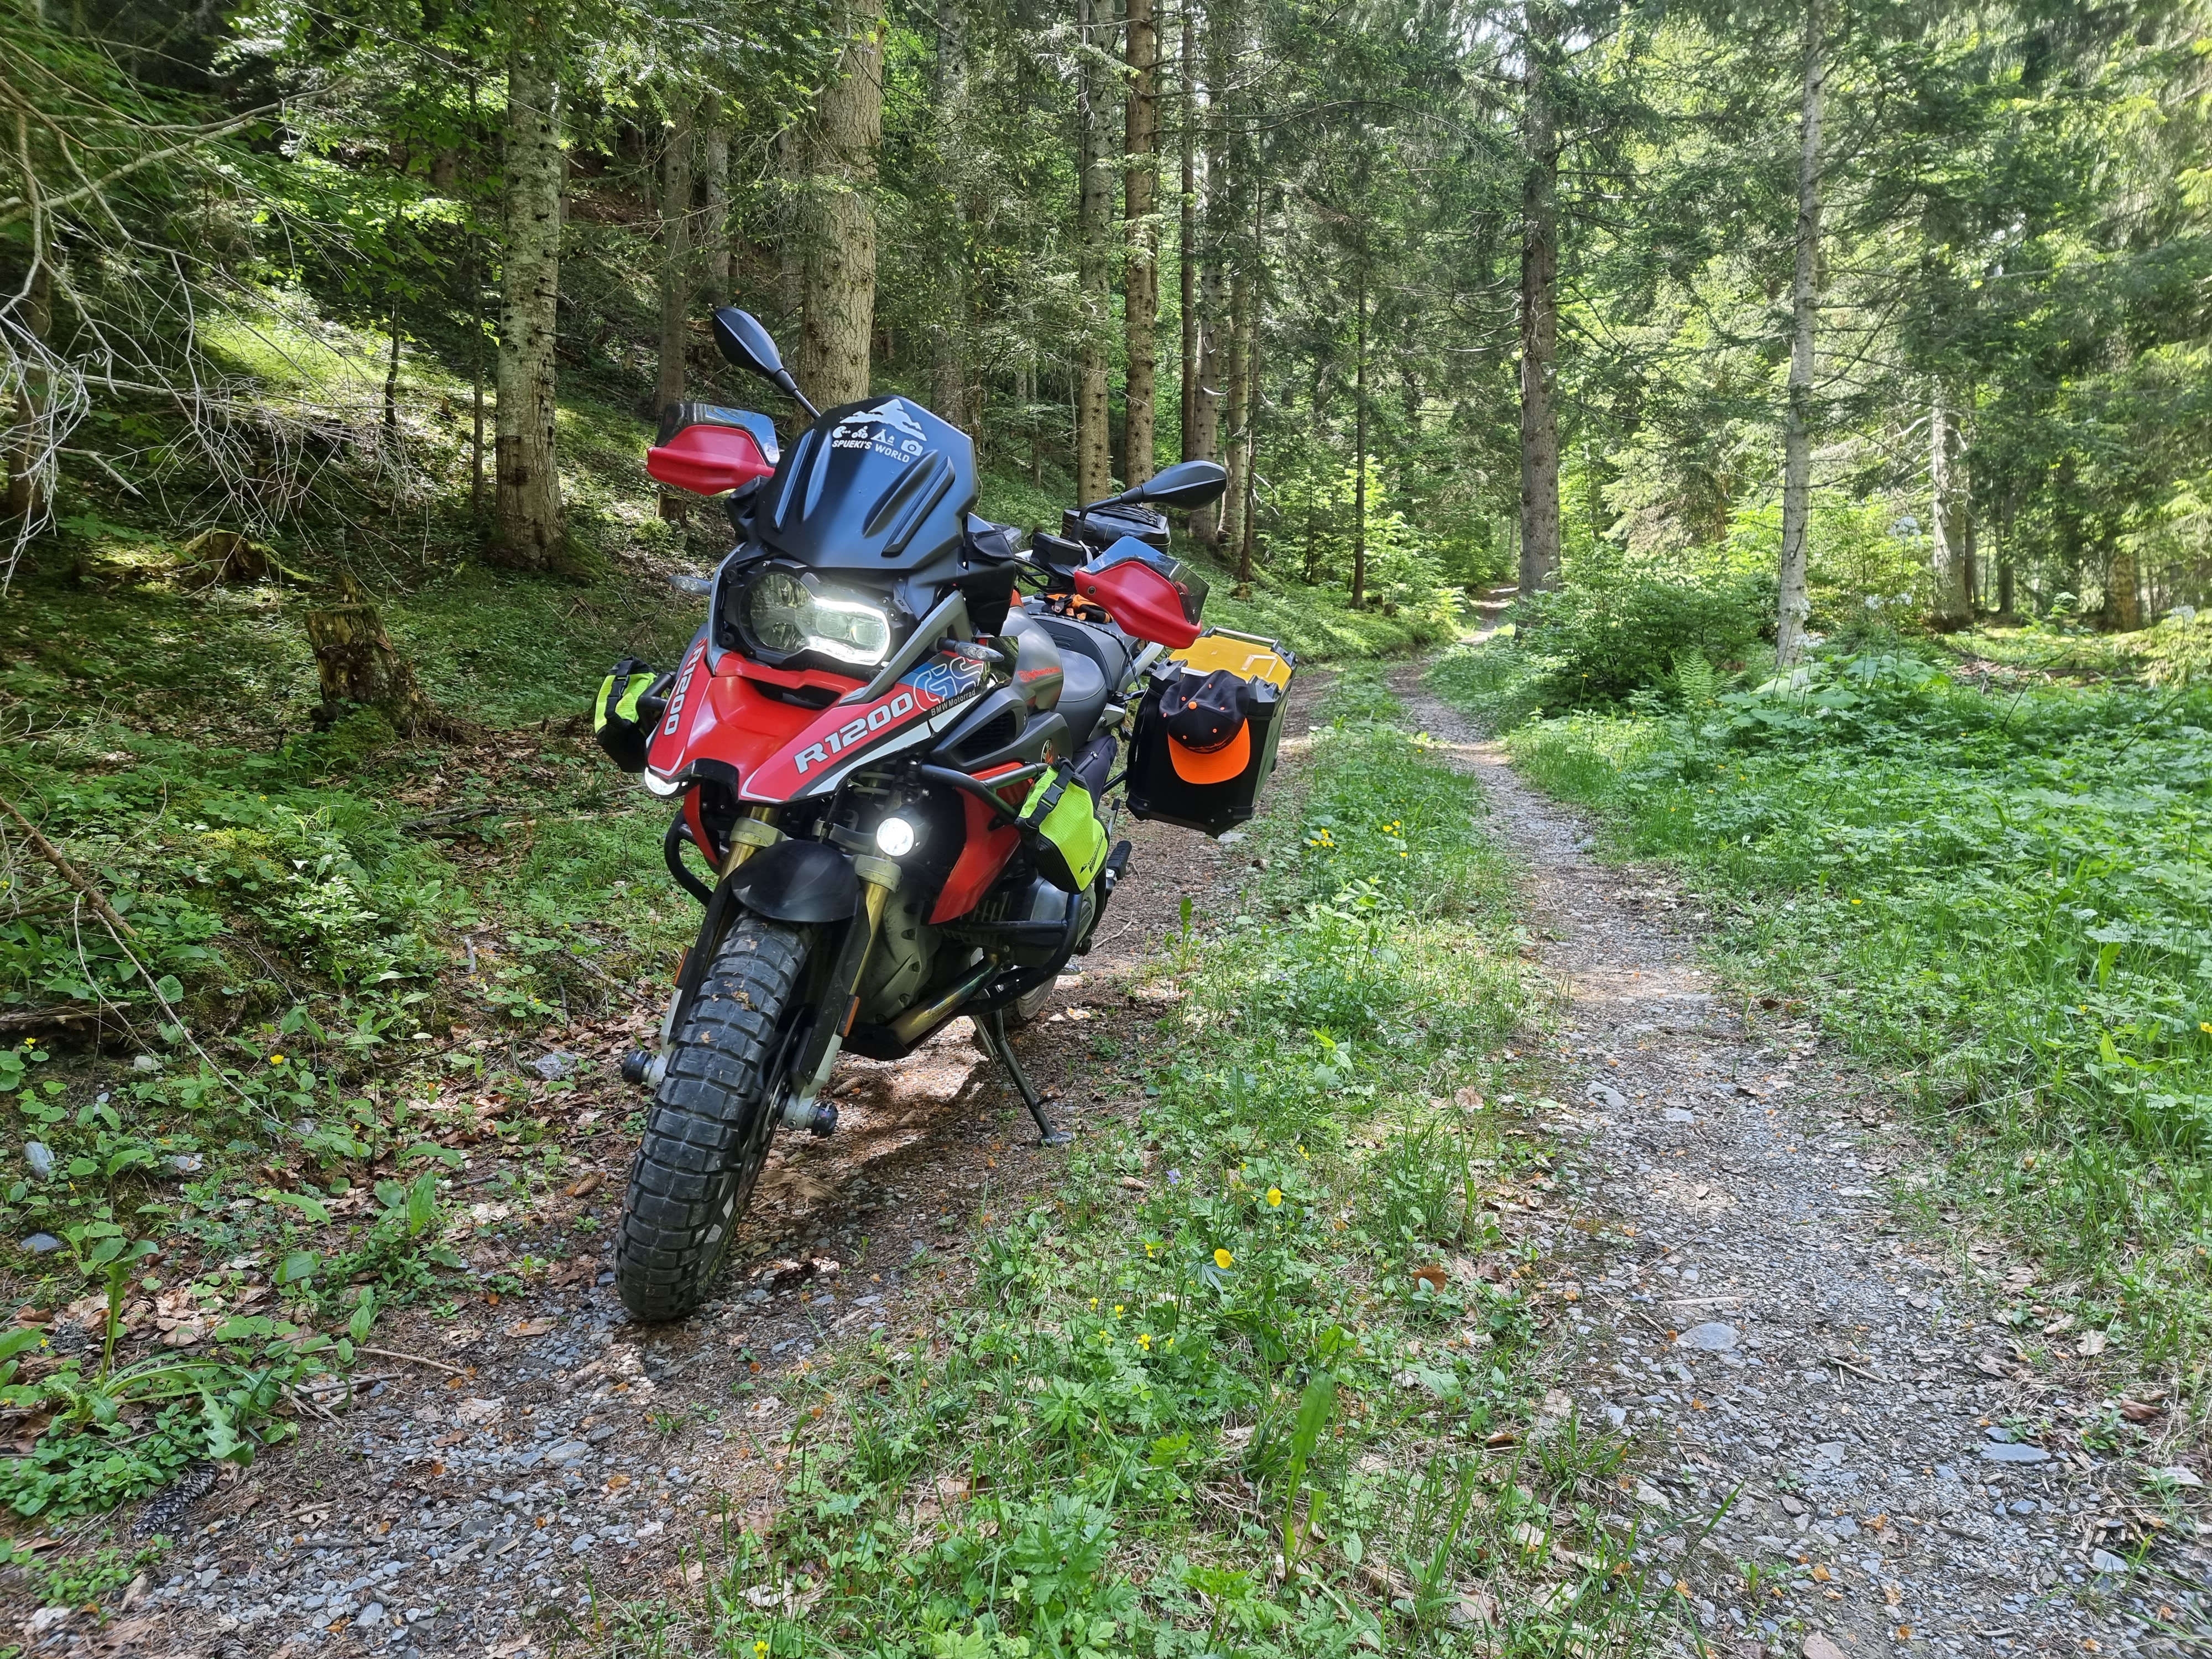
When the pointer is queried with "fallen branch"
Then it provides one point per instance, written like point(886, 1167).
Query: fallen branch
point(29, 1019)
point(1633, 1313)
point(1842, 1365)
point(451, 815)
point(52, 854)
point(299, 1397)
point(412, 1359)
point(16, 206)
point(326, 1385)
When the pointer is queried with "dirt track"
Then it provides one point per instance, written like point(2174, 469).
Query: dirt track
point(1765, 1323)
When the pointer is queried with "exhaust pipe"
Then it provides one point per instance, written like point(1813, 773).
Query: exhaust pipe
point(913, 1024)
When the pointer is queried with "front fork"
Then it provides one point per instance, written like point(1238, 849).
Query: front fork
point(809, 1070)
point(752, 833)
point(803, 1108)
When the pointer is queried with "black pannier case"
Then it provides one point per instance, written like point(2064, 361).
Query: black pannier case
point(1156, 790)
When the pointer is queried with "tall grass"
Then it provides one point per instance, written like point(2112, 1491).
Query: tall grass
point(2006, 897)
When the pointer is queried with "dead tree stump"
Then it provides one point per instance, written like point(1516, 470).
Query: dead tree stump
point(357, 663)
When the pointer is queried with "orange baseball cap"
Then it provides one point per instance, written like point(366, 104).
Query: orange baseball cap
point(1212, 765)
point(1209, 737)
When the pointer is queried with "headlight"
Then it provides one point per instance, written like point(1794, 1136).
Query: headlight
point(894, 838)
point(784, 615)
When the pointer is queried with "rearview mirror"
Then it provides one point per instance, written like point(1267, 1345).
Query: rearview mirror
point(746, 344)
point(1185, 486)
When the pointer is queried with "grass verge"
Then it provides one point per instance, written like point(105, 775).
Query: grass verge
point(1998, 889)
point(1262, 1376)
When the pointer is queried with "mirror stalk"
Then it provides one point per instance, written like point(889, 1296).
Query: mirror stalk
point(791, 386)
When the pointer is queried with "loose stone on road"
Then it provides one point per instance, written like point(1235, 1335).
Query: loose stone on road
point(1760, 1321)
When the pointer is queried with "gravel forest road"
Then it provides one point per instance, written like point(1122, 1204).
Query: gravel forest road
point(1761, 1321)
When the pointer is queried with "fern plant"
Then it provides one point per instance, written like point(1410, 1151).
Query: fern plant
point(1696, 681)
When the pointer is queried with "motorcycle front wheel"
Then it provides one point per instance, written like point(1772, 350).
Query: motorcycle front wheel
point(712, 1119)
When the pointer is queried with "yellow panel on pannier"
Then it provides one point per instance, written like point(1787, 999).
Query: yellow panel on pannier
point(1245, 655)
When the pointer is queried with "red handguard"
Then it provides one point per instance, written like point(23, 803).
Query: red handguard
point(1141, 600)
point(708, 460)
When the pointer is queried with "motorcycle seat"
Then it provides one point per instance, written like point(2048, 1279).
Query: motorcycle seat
point(1082, 696)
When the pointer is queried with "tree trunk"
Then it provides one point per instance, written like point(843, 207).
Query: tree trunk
point(948, 356)
point(839, 207)
point(476, 333)
point(714, 142)
point(1793, 607)
point(1213, 356)
point(526, 532)
point(2005, 595)
point(356, 662)
point(1359, 442)
point(31, 445)
point(2123, 594)
point(1253, 397)
point(1240, 407)
point(793, 148)
point(676, 277)
point(391, 372)
point(1141, 281)
point(1187, 254)
point(476, 383)
point(1952, 542)
point(1213, 308)
point(1093, 448)
point(1540, 323)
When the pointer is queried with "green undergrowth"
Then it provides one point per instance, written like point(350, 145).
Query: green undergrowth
point(1320, 625)
point(1259, 1375)
point(2004, 893)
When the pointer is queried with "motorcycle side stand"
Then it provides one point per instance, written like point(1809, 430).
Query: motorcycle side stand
point(992, 1030)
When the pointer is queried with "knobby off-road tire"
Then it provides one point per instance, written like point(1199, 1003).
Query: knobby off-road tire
point(713, 1117)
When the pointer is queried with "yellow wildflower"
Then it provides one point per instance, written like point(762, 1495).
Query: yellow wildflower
point(1222, 1258)
point(1274, 1197)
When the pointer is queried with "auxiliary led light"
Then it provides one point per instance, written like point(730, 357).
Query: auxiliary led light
point(894, 838)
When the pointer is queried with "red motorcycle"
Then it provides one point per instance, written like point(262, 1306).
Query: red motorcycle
point(890, 768)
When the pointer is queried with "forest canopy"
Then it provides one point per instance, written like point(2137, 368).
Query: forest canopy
point(1862, 308)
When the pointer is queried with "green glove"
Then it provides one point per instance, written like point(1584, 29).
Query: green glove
point(629, 680)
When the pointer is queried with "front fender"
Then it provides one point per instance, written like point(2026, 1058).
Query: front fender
point(798, 881)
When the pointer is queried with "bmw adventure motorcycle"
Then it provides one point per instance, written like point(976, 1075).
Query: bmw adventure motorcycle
point(889, 768)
